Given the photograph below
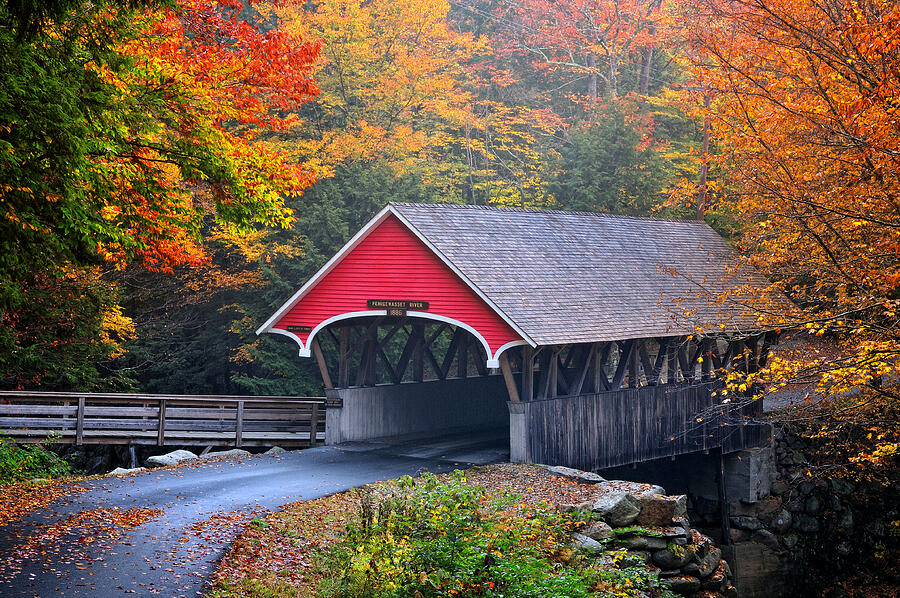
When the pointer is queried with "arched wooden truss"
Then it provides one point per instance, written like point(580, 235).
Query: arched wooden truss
point(394, 350)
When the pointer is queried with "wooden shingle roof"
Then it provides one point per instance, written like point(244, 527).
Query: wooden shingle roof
point(572, 277)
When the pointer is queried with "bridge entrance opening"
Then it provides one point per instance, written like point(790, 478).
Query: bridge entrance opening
point(406, 381)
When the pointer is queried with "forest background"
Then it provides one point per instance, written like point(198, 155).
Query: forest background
point(171, 171)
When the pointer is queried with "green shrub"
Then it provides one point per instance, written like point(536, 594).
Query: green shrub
point(435, 538)
point(24, 462)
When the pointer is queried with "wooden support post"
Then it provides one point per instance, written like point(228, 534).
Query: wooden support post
point(509, 378)
point(625, 350)
point(462, 358)
point(551, 388)
point(320, 360)
point(238, 423)
point(723, 500)
point(672, 362)
point(634, 380)
point(527, 373)
point(706, 355)
point(161, 424)
point(344, 357)
point(314, 425)
point(418, 356)
point(79, 422)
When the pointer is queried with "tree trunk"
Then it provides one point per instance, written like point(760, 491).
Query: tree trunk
point(644, 81)
point(704, 161)
point(592, 81)
point(612, 82)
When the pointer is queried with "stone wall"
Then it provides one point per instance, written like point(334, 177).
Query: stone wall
point(652, 529)
point(815, 534)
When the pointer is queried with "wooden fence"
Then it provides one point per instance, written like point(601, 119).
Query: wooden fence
point(633, 425)
point(124, 418)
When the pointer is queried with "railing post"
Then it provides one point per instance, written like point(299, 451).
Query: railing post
point(79, 422)
point(314, 425)
point(161, 425)
point(238, 423)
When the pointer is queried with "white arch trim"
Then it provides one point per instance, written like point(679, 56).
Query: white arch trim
point(493, 358)
point(509, 345)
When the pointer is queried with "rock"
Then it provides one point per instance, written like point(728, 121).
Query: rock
point(683, 584)
point(233, 453)
point(807, 487)
point(767, 506)
point(173, 458)
point(738, 535)
point(845, 521)
point(598, 530)
point(618, 510)
point(582, 506)
point(669, 560)
point(790, 541)
point(584, 543)
point(747, 523)
point(780, 487)
point(795, 506)
point(645, 543)
point(585, 477)
point(813, 505)
point(782, 521)
point(657, 510)
point(705, 566)
point(670, 573)
point(766, 537)
point(806, 523)
point(843, 548)
point(875, 528)
point(123, 471)
point(718, 578)
point(275, 450)
point(842, 487)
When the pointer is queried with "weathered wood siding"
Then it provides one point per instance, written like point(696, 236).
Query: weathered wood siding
point(632, 425)
point(436, 407)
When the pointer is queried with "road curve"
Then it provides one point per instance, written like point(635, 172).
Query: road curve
point(174, 553)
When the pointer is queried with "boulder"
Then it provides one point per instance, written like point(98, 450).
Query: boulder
point(173, 458)
point(275, 450)
point(782, 521)
point(705, 566)
point(666, 559)
point(790, 541)
point(683, 584)
point(806, 523)
point(747, 523)
point(644, 543)
point(233, 454)
point(764, 536)
point(657, 510)
point(123, 471)
point(619, 509)
point(598, 530)
point(584, 543)
point(585, 477)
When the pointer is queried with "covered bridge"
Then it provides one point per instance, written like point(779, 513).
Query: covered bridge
point(594, 339)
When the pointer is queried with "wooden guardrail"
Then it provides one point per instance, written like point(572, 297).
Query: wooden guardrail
point(126, 418)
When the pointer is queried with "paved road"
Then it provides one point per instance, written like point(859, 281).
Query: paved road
point(175, 553)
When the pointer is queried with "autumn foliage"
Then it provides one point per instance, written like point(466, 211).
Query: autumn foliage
point(805, 111)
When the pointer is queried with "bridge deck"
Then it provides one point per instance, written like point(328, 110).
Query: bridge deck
point(122, 418)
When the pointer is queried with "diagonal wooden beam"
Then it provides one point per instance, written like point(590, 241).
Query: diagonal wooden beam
point(625, 350)
point(451, 353)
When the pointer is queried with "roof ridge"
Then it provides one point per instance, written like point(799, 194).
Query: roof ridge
point(447, 204)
